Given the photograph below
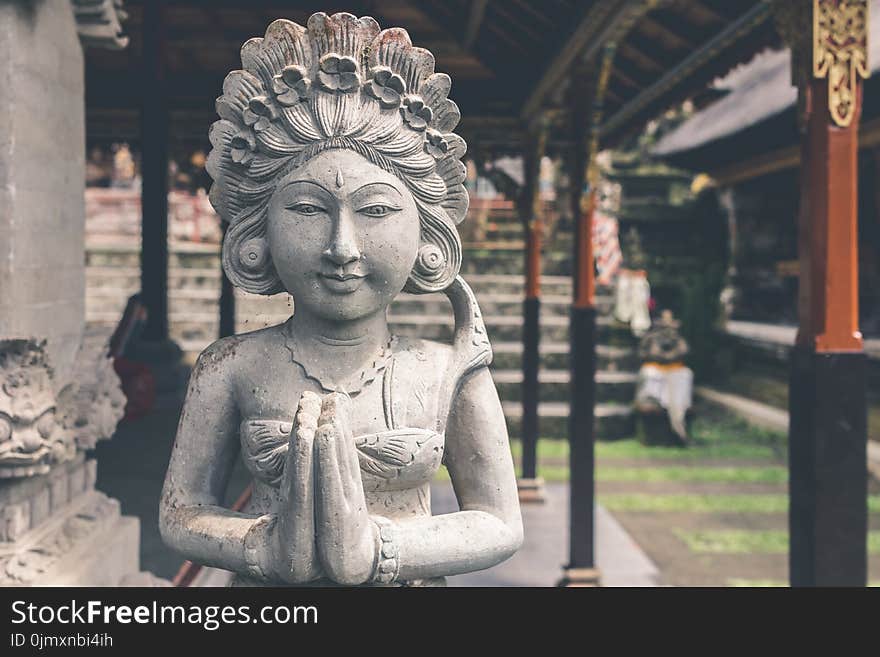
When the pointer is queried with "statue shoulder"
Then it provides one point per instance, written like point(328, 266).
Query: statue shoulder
point(428, 351)
point(226, 356)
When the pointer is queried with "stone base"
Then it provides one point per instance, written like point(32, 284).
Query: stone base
point(105, 559)
point(531, 491)
point(580, 578)
point(57, 530)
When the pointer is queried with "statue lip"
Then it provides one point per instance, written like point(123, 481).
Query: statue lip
point(339, 283)
point(342, 277)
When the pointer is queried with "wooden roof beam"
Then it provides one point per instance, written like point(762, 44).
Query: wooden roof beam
point(699, 11)
point(653, 28)
point(745, 24)
point(601, 21)
point(475, 20)
point(640, 59)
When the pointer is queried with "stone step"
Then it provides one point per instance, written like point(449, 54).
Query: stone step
point(553, 385)
point(613, 421)
point(509, 262)
point(554, 356)
point(496, 245)
point(129, 278)
point(508, 328)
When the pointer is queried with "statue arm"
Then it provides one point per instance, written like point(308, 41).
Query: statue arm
point(488, 528)
point(191, 518)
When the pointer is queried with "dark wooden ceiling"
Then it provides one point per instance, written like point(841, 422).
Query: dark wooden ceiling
point(496, 51)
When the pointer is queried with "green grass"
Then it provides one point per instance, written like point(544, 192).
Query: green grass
point(695, 473)
point(741, 541)
point(632, 448)
point(679, 473)
point(696, 503)
point(548, 448)
point(641, 502)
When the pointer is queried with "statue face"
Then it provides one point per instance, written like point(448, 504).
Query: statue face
point(343, 235)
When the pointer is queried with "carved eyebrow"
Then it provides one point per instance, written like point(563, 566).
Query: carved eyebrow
point(308, 182)
point(376, 184)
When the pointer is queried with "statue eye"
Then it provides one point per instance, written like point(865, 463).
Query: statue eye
point(307, 209)
point(378, 210)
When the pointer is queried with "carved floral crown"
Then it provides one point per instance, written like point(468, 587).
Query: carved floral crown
point(340, 82)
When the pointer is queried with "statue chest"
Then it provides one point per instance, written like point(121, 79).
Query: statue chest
point(395, 421)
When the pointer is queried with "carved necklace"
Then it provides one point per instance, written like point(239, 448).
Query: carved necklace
point(359, 380)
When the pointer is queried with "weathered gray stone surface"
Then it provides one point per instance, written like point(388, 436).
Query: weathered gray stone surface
point(42, 173)
point(56, 529)
point(336, 167)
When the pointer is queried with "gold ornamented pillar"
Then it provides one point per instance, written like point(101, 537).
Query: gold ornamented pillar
point(827, 400)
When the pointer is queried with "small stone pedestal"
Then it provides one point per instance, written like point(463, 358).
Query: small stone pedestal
point(531, 491)
point(57, 530)
point(580, 578)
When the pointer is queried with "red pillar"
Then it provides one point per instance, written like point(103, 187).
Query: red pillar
point(827, 400)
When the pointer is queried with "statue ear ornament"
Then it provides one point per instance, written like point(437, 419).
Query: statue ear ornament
point(338, 82)
point(246, 259)
point(253, 254)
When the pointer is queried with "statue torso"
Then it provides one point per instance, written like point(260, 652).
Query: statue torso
point(397, 425)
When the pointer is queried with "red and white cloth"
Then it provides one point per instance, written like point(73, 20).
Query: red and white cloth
point(606, 247)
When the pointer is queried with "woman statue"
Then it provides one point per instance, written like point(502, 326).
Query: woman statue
point(335, 166)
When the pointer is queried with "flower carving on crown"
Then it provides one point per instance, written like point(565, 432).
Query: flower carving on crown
point(291, 86)
point(243, 146)
point(416, 113)
point(338, 73)
point(386, 86)
point(436, 144)
point(259, 113)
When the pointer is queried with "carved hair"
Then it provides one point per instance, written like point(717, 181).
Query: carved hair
point(338, 83)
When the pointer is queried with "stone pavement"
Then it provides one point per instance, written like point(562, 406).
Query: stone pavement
point(539, 562)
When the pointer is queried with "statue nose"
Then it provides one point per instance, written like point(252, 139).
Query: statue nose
point(343, 247)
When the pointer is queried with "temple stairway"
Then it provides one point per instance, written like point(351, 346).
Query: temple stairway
point(493, 267)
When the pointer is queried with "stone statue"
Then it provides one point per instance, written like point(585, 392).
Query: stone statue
point(665, 382)
point(335, 166)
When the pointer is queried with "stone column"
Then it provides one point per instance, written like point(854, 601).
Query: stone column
point(42, 173)
point(59, 393)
